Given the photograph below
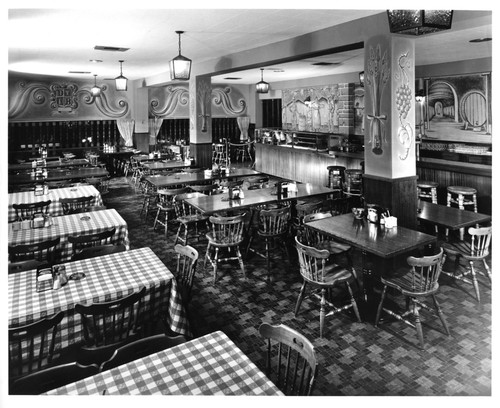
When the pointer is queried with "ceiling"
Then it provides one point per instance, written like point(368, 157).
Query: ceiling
point(57, 41)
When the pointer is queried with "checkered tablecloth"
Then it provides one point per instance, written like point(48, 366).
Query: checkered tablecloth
point(209, 365)
point(68, 225)
point(107, 278)
point(55, 194)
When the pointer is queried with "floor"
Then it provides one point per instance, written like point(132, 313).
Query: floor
point(355, 359)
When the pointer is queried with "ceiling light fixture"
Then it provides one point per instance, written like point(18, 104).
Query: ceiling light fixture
point(419, 22)
point(180, 66)
point(121, 81)
point(95, 90)
point(262, 86)
point(362, 78)
point(478, 40)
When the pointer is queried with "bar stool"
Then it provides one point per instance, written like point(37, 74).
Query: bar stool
point(353, 185)
point(336, 179)
point(219, 155)
point(462, 197)
point(427, 191)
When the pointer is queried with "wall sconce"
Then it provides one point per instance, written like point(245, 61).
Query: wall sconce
point(180, 66)
point(121, 81)
point(419, 22)
point(362, 78)
point(95, 90)
point(307, 101)
point(262, 86)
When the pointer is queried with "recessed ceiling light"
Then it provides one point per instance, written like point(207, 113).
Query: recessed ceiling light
point(279, 70)
point(232, 78)
point(79, 72)
point(477, 40)
point(110, 48)
point(95, 61)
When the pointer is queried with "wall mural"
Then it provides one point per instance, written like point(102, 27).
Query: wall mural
point(61, 98)
point(376, 77)
point(403, 98)
point(457, 106)
point(311, 109)
point(173, 101)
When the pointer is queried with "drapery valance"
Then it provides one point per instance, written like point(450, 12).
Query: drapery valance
point(126, 129)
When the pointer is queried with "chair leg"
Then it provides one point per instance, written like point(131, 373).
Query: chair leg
point(322, 313)
point(216, 260)
point(300, 298)
point(156, 219)
point(418, 324)
point(379, 309)
point(474, 281)
point(240, 260)
point(353, 302)
point(440, 314)
point(488, 270)
point(268, 259)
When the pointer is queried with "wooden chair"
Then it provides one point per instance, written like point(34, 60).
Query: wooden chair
point(317, 274)
point(188, 218)
point(51, 378)
point(74, 205)
point(26, 211)
point(100, 183)
point(150, 199)
point(477, 250)
point(109, 325)
point(419, 282)
point(94, 208)
point(166, 207)
point(43, 251)
point(31, 346)
point(292, 364)
point(187, 258)
point(207, 189)
point(226, 235)
point(272, 227)
point(141, 348)
point(301, 210)
point(98, 250)
point(79, 242)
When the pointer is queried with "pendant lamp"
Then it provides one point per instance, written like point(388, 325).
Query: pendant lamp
point(121, 81)
point(180, 66)
point(419, 22)
point(262, 86)
point(95, 90)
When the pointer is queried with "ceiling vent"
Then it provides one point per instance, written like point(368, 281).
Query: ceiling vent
point(79, 72)
point(108, 48)
point(232, 78)
point(325, 64)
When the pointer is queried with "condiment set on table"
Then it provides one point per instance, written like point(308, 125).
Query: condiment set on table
point(39, 220)
point(376, 215)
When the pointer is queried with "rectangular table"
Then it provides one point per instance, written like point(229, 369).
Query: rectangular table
point(165, 165)
point(50, 164)
point(107, 278)
point(208, 365)
point(449, 217)
point(215, 203)
point(160, 181)
point(55, 194)
point(74, 224)
point(55, 174)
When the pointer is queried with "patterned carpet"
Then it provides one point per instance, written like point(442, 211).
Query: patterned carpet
point(355, 359)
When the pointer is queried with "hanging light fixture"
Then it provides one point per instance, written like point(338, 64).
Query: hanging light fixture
point(262, 86)
point(95, 90)
point(121, 81)
point(180, 66)
point(419, 22)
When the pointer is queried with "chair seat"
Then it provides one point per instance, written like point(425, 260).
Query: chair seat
point(223, 240)
point(334, 274)
point(462, 248)
point(333, 247)
point(165, 207)
point(186, 219)
point(407, 284)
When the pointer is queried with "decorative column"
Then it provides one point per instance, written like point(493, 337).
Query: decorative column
point(200, 120)
point(390, 163)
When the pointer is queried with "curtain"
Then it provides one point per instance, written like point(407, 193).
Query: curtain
point(243, 123)
point(126, 129)
point(154, 128)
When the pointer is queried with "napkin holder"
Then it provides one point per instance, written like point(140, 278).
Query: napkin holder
point(44, 278)
point(391, 222)
point(38, 220)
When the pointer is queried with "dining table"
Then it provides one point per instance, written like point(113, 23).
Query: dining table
point(372, 238)
point(71, 225)
point(61, 163)
point(78, 173)
point(254, 198)
point(165, 165)
point(54, 195)
point(185, 178)
point(449, 217)
point(105, 278)
point(208, 365)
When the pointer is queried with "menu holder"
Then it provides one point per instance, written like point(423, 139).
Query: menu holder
point(44, 278)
